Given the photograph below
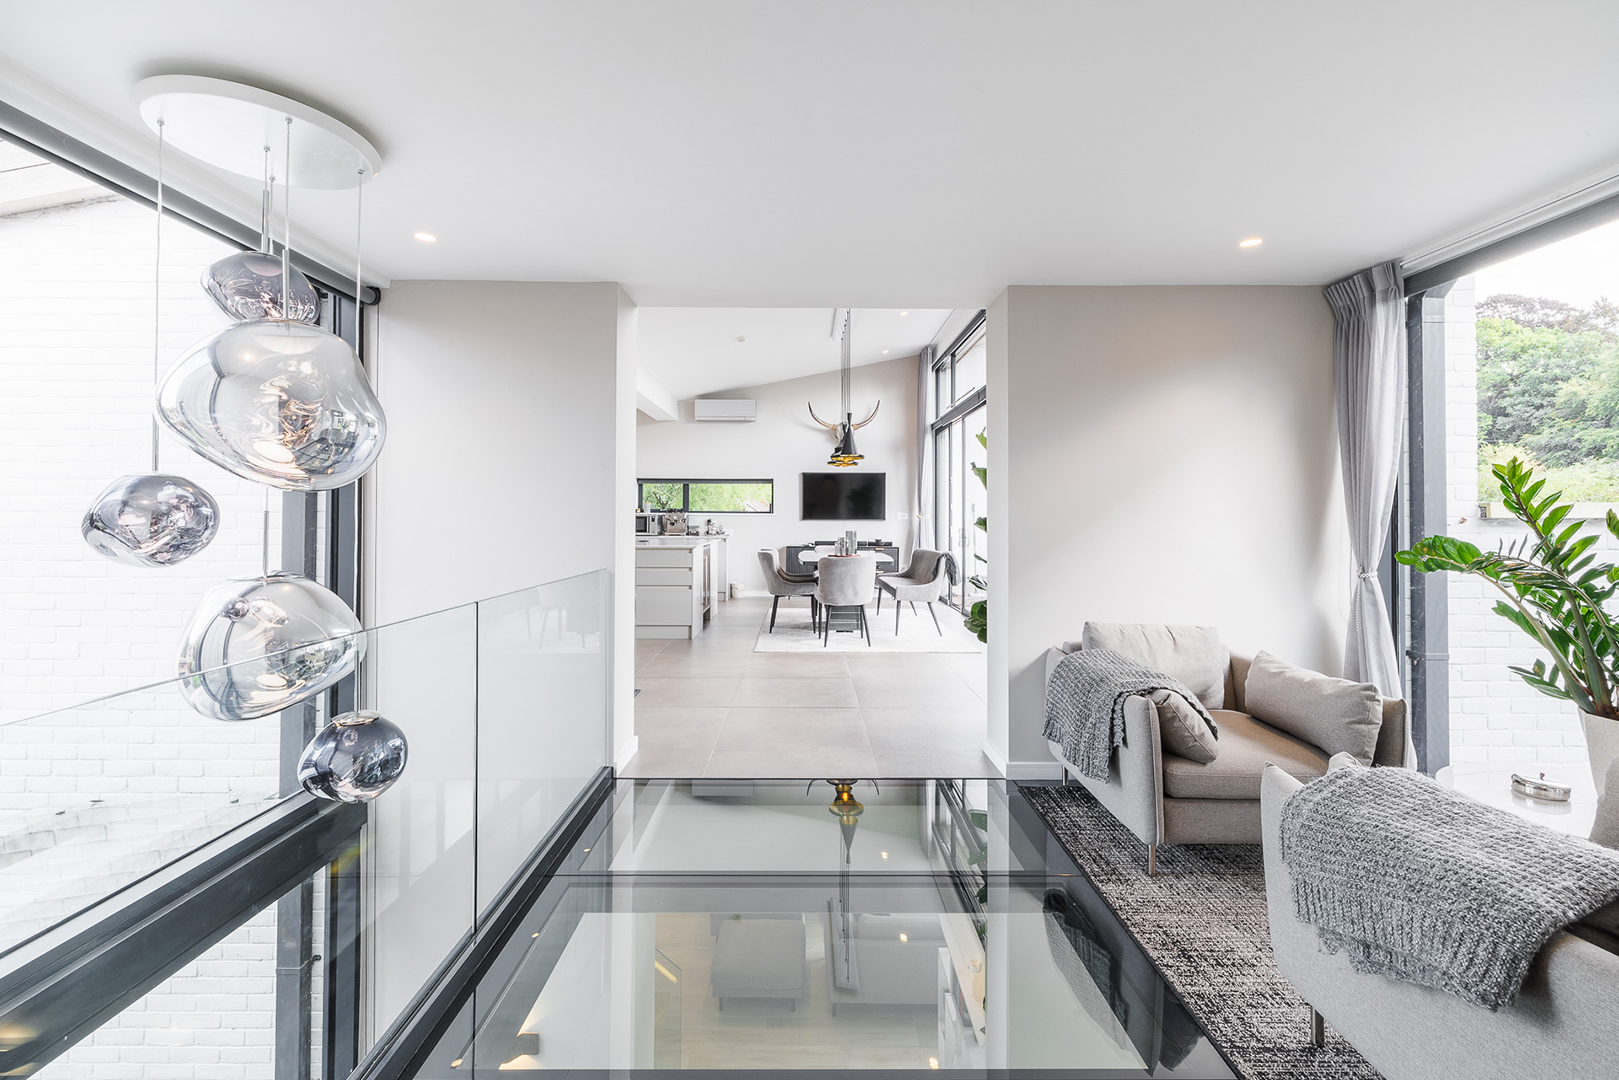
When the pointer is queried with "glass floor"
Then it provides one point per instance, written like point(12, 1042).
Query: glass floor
point(821, 928)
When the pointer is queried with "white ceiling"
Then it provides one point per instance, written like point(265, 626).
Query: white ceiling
point(694, 351)
point(879, 154)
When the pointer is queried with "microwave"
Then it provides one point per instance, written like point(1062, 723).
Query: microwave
point(649, 524)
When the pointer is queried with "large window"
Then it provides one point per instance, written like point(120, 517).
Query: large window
point(1516, 358)
point(959, 452)
point(709, 496)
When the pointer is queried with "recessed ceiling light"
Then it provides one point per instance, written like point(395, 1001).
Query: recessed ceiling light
point(903, 314)
point(1252, 241)
point(904, 937)
point(885, 352)
point(427, 238)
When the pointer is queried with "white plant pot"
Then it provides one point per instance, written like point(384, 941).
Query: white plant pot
point(1601, 744)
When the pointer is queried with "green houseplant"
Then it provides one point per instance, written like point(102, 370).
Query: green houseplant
point(978, 615)
point(1553, 589)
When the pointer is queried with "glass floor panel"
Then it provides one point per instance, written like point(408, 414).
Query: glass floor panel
point(820, 928)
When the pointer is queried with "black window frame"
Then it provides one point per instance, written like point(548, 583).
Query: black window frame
point(685, 492)
point(1420, 603)
point(945, 363)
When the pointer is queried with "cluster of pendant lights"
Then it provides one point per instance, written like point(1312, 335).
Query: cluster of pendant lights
point(275, 399)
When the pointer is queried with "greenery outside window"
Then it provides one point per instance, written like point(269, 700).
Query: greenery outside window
point(708, 496)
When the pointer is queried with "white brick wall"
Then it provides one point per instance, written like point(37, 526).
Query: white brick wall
point(85, 790)
point(1494, 717)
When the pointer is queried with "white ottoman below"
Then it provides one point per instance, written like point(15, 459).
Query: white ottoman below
point(760, 958)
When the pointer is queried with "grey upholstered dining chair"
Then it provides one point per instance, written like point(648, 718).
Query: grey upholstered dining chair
point(844, 590)
point(780, 584)
point(922, 580)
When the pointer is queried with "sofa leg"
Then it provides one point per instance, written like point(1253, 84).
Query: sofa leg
point(1152, 860)
point(1318, 1029)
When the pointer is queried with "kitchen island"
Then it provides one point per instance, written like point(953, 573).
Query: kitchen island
point(678, 579)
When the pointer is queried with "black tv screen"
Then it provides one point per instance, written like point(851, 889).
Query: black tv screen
point(844, 496)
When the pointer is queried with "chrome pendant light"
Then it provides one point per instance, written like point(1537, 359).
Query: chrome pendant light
point(251, 285)
point(271, 398)
point(354, 758)
point(258, 645)
point(844, 453)
point(155, 518)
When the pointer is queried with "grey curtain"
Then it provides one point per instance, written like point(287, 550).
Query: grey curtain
point(1370, 375)
point(922, 504)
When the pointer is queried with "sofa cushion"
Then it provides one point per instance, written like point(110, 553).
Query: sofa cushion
point(1181, 730)
point(1245, 746)
point(1336, 715)
point(1193, 654)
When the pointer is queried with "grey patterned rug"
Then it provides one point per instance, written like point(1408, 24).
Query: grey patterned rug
point(1202, 920)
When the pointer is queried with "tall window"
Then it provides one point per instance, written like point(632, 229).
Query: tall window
point(960, 499)
point(1530, 370)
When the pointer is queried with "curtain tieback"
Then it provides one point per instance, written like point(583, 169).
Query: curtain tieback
point(1366, 575)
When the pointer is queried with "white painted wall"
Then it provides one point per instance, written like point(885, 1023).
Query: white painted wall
point(784, 442)
point(1163, 454)
point(510, 412)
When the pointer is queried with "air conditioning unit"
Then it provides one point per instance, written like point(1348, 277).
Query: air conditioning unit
point(734, 410)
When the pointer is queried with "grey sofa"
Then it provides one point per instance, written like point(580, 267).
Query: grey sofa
point(1166, 799)
point(1561, 1025)
point(760, 956)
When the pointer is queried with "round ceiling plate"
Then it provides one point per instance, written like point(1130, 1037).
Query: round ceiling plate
point(229, 124)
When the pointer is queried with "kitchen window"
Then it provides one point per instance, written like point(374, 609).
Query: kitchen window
point(708, 496)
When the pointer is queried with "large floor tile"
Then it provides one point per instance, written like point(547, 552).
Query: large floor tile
point(849, 762)
point(792, 730)
point(796, 666)
point(970, 668)
point(926, 728)
point(645, 650)
point(703, 663)
point(796, 693)
point(669, 692)
point(938, 764)
point(897, 665)
point(690, 728)
point(895, 693)
point(667, 764)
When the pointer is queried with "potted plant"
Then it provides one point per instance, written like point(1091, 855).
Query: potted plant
point(1553, 589)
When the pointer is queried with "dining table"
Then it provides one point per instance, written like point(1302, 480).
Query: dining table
point(815, 555)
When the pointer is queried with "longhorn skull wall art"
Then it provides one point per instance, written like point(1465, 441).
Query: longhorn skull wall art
point(844, 453)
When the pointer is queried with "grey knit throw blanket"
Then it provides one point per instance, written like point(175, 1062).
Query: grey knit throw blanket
point(1417, 882)
point(1085, 705)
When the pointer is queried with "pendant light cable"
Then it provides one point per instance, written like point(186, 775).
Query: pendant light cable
point(157, 294)
point(286, 236)
point(264, 204)
point(359, 233)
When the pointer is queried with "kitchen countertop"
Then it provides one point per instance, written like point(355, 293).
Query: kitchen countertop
point(676, 541)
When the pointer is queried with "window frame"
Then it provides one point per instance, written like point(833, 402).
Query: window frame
point(685, 492)
point(944, 367)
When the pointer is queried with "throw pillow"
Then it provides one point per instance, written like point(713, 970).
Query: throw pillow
point(1181, 730)
point(1336, 715)
point(1193, 654)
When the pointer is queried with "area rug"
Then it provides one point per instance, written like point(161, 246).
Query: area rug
point(917, 633)
point(1203, 922)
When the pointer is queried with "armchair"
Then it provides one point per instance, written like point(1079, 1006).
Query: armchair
point(780, 584)
point(1166, 799)
point(922, 580)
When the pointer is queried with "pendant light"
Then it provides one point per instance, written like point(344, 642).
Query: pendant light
point(155, 518)
point(250, 284)
point(844, 453)
point(272, 399)
point(354, 758)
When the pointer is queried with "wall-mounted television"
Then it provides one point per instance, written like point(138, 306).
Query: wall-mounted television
point(844, 496)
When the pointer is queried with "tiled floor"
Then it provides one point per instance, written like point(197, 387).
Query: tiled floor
point(714, 707)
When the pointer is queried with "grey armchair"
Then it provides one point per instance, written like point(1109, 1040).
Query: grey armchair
point(923, 580)
point(844, 590)
point(780, 584)
point(1166, 799)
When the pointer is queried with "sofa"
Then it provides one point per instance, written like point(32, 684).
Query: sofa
point(1164, 798)
point(759, 956)
point(1562, 1023)
point(896, 960)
